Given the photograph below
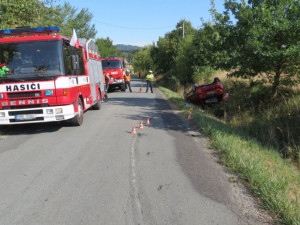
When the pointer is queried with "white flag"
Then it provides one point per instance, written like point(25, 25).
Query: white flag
point(74, 40)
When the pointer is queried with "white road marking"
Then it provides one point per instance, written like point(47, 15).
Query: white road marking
point(135, 198)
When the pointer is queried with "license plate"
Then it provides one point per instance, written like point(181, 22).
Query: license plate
point(211, 100)
point(25, 117)
point(211, 92)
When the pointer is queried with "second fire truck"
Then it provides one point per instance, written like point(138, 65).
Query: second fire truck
point(115, 68)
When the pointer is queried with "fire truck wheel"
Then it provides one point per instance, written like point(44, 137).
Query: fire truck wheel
point(123, 88)
point(78, 119)
point(97, 106)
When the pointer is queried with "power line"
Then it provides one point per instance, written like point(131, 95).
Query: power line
point(133, 28)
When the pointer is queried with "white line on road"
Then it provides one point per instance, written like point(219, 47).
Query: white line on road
point(135, 196)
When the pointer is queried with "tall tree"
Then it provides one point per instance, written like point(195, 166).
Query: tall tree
point(209, 51)
point(164, 53)
point(69, 19)
point(265, 40)
point(182, 68)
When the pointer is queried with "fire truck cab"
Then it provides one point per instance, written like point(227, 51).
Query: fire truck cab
point(45, 79)
point(115, 68)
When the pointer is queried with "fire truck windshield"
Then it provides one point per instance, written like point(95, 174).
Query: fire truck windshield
point(111, 64)
point(31, 60)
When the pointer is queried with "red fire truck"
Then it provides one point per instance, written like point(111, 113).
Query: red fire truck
point(115, 68)
point(45, 79)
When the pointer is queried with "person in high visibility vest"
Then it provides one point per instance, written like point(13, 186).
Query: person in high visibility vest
point(127, 80)
point(3, 69)
point(149, 78)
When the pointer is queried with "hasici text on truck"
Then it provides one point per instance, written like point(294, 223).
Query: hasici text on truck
point(44, 79)
point(115, 67)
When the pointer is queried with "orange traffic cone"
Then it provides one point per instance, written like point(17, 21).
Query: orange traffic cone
point(140, 90)
point(189, 115)
point(147, 122)
point(133, 130)
point(141, 125)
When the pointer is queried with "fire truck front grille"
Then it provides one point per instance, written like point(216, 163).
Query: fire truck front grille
point(24, 94)
point(37, 111)
point(25, 106)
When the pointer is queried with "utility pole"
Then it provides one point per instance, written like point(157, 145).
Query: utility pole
point(183, 29)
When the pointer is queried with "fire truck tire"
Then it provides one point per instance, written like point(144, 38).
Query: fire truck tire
point(97, 106)
point(123, 88)
point(78, 119)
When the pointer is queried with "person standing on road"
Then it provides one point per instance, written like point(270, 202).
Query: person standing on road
point(149, 78)
point(107, 78)
point(127, 80)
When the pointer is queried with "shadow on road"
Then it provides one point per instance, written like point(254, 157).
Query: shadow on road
point(157, 110)
point(35, 128)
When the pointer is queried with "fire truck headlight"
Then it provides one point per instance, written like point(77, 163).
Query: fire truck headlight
point(2, 114)
point(50, 92)
point(49, 111)
point(58, 111)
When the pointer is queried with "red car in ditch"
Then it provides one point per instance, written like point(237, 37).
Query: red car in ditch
point(207, 94)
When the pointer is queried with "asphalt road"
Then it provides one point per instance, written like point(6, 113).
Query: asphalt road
point(99, 173)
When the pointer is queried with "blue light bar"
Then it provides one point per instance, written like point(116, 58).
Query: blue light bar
point(30, 30)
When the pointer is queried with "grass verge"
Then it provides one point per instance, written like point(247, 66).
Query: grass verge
point(274, 180)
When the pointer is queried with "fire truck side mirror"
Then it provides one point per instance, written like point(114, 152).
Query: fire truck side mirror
point(75, 62)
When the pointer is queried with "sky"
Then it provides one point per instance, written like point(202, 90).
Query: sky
point(142, 22)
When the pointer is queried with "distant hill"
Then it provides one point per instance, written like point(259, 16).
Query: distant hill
point(127, 48)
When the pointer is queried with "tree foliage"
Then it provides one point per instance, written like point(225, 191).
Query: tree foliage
point(257, 40)
point(36, 13)
point(164, 53)
point(106, 47)
point(183, 65)
point(69, 18)
point(142, 60)
point(209, 52)
point(26, 13)
point(265, 40)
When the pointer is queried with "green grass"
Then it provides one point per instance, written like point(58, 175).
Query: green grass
point(272, 121)
point(272, 179)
